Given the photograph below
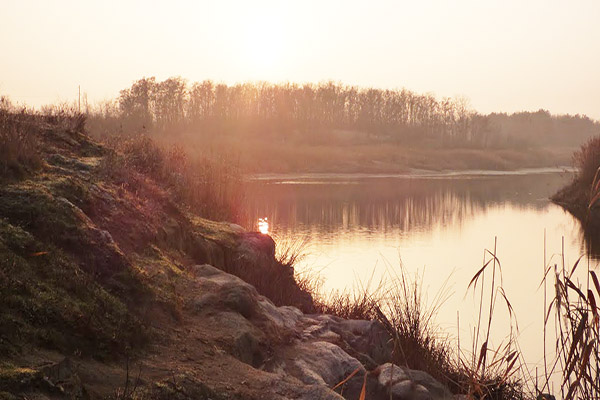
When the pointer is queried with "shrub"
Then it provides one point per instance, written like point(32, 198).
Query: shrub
point(587, 160)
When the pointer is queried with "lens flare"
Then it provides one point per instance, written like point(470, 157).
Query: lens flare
point(263, 226)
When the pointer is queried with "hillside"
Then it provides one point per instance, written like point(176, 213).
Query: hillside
point(112, 289)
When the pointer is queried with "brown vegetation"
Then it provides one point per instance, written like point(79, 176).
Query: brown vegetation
point(574, 306)
point(212, 188)
point(580, 197)
point(330, 127)
point(19, 152)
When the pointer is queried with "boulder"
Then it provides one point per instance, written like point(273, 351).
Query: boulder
point(404, 383)
point(318, 350)
point(258, 244)
point(318, 363)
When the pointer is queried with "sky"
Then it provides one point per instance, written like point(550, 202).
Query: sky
point(504, 56)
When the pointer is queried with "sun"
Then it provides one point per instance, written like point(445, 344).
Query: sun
point(264, 42)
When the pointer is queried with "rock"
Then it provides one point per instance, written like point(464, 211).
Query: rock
point(236, 228)
point(404, 383)
point(317, 363)
point(366, 340)
point(317, 350)
point(242, 299)
point(254, 242)
point(319, 392)
point(225, 291)
point(247, 349)
point(409, 390)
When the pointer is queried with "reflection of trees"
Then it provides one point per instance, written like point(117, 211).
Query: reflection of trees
point(393, 204)
point(589, 229)
point(590, 233)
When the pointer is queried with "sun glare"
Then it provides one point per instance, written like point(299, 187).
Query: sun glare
point(263, 226)
point(263, 43)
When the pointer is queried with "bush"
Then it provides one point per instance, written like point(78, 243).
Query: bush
point(587, 160)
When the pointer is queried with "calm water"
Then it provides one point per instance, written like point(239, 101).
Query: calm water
point(358, 227)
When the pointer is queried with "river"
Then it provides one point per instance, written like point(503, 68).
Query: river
point(365, 228)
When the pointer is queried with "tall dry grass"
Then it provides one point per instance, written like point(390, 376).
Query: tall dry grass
point(488, 372)
point(576, 318)
point(587, 160)
point(410, 321)
point(19, 144)
point(211, 187)
point(401, 306)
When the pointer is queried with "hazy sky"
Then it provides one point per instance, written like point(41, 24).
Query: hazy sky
point(503, 55)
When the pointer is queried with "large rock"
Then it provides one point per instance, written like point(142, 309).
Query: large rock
point(316, 363)
point(368, 341)
point(258, 243)
point(318, 350)
point(403, 384)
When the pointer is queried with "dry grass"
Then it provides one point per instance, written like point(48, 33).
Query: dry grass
point(576, 322)
point(581, 195)
point(402, 308)
point(350, 305)
point(492, 373)
point(291, 251)
point(410, 321)
point(587, 160)
point(212, 188)
point(19, 144)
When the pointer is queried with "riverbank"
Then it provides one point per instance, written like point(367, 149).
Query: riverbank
point(412, 174)
point(114, 288)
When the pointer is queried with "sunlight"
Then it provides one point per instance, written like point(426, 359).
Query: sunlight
point(263, 226)
point(263, 42)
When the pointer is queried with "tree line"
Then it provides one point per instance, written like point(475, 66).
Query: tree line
point(281, 110)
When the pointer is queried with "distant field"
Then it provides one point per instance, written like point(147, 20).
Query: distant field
point(271, 156)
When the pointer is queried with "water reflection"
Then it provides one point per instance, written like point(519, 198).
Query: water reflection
point(388, 205)
point(439, 226)
point(592, 241)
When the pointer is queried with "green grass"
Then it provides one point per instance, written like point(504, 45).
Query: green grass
point(49, 301)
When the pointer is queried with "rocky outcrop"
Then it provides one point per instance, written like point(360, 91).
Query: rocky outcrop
point(316, 350)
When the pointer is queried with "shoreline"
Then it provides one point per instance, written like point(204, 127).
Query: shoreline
point(412, 174)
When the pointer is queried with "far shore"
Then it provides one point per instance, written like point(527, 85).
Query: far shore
point(261, 157)
point(411, 174)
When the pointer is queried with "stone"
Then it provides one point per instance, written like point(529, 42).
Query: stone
point(255, 242)
point(409, 390)
point(319, 392)
point(402, 382)
point(320, 363)
point(318, 350)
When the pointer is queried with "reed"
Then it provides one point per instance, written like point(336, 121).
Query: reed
point(401, 307)
point(488, 372)
point(576, 318)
